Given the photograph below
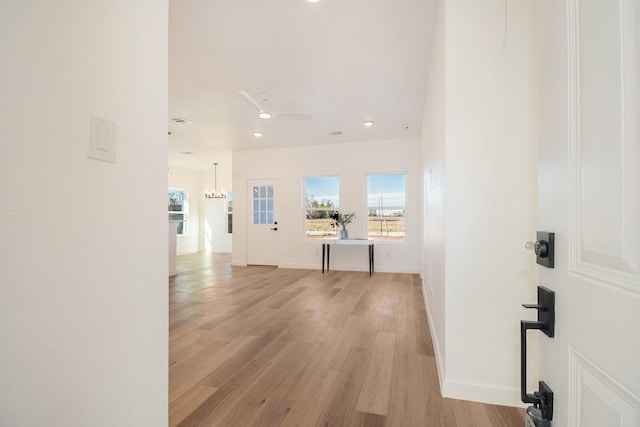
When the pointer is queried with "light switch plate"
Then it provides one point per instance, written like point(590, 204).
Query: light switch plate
point(102, 139)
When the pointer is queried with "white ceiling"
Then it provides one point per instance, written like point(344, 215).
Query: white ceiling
point(343, 61)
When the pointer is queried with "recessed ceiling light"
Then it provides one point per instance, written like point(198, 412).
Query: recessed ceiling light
point(313, 1)
point(264, 115)
point(257, 134)
point(368, 123)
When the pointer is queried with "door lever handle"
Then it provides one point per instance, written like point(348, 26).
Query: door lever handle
point(274, 229)
point(536, 306)
point(546, 312)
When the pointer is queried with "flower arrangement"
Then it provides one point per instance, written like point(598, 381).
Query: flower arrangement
point(342, 219)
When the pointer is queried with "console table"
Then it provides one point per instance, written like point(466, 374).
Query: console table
point(326, 247)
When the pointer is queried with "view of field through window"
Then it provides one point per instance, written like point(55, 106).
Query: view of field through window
point(386, 206)
point(321, 196)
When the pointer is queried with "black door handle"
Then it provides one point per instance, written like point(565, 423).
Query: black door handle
point(543, 398)
point(274, 229)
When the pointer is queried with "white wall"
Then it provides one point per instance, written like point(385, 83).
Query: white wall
point(213, 224)
point(188, 180)
point(351, 162)
point(83, 312)
point(489, 191)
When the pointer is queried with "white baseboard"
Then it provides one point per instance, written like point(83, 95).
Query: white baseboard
point(403, 270)
point(300, 266)
point(481, 393)
point(316, 266)
point(360, 268)
point(436, 342)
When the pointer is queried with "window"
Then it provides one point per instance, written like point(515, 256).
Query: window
point(386, 206)
point(320, 198)
point(263, 205)
point(178, 209)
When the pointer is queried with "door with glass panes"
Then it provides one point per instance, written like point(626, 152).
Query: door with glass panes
point(263, 224)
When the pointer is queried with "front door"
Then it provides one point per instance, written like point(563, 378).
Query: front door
point(589, 195)
point(263, 224)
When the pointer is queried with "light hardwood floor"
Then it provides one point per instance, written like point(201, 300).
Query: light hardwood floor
point(261, 346)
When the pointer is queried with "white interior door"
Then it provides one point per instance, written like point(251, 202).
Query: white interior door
point(263, 224)
point(589, 196)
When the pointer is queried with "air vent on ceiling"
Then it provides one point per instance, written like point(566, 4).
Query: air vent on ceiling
point(335, 133)
point(180, 121)
point(188, 152)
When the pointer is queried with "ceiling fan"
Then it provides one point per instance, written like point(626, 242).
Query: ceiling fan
point(265, 113)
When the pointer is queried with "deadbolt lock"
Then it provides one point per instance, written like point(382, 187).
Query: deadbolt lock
point(543, 248)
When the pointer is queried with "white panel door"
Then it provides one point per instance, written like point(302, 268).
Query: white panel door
point(589, 196)
point(263, 224)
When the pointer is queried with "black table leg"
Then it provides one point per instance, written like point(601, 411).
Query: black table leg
point(328, 256)
point(323, 249)
point(373, 268)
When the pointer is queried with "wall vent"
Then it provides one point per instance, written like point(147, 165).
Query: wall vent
point(335, 133)
point(180, 121)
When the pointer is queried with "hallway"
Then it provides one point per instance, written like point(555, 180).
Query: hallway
point(261, 346)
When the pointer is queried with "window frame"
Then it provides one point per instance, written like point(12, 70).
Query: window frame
point(183, 227)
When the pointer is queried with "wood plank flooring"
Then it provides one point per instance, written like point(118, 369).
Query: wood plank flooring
point(261, 346)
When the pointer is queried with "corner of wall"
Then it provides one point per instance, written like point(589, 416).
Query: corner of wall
point(433, 181)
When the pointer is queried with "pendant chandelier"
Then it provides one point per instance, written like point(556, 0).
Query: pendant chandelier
point(215, 194)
